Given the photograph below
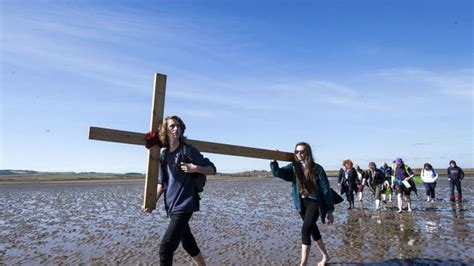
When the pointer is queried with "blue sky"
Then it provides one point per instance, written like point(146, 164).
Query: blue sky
point(366, 80)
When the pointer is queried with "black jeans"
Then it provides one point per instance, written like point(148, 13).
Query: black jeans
point(178, 231)
point(349, 189)
point(455, 184)
point(309, 213)
point(430, 189)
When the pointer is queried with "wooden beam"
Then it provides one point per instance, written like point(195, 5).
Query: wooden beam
point(129, 137)
point(118, 136)
point(243, 151)
point(153, 163)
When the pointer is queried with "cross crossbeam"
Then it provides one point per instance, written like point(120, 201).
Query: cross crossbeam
point(136, 138)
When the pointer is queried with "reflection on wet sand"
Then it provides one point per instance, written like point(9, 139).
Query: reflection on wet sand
point(243, 221)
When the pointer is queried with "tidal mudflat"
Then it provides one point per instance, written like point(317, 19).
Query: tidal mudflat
point(242, 221)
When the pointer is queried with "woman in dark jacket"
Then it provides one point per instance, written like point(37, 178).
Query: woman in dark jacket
point(311, 194)
point(348, 182)
point(455, 175)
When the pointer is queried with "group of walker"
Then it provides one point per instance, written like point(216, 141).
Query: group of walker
point(182, 165)
point(399, 179)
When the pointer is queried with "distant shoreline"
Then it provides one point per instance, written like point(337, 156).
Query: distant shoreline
point(42, 179)
point(37, 177)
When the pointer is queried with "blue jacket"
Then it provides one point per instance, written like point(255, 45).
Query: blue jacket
point(387, 171)
point(455, 173)
point(324, 194)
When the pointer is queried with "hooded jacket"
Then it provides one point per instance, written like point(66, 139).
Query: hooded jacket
point(455, 173)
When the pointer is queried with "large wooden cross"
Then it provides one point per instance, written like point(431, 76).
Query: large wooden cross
point(157, 111)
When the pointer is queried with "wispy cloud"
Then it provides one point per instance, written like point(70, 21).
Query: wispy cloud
point(96, 43)
point(422, 143)
point(457, 83)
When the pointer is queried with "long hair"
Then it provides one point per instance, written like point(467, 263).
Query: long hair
point(429, 166)
point(164, 130)
point(307, 178)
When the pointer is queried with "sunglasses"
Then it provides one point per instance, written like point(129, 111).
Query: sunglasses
point(300, 151)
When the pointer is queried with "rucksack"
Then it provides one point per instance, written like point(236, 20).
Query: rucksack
point(198, 178)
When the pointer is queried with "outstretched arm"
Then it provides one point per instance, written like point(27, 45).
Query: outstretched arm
point(286, 173)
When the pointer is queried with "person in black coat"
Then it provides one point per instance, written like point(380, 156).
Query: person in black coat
point(455, 176)
point(348, 181)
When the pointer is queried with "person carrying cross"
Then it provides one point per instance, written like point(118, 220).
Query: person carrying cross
point(181, 164)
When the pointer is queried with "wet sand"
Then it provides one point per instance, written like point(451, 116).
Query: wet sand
point(241, 222)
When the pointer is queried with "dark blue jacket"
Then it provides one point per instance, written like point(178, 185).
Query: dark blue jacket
point(324, 194)
point(455, 173)
point(387, 171)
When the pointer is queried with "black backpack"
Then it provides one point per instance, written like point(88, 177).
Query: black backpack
point(198, 178)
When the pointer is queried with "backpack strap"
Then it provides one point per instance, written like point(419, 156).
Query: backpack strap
point(406, 169)
point(163, 154)
point(184, 150)
point(164, 165)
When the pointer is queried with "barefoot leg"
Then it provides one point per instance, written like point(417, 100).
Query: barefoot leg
point(199, 260)
point(304, 254)
point(324, 253)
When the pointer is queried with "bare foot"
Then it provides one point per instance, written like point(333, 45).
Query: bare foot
point(323, 261)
